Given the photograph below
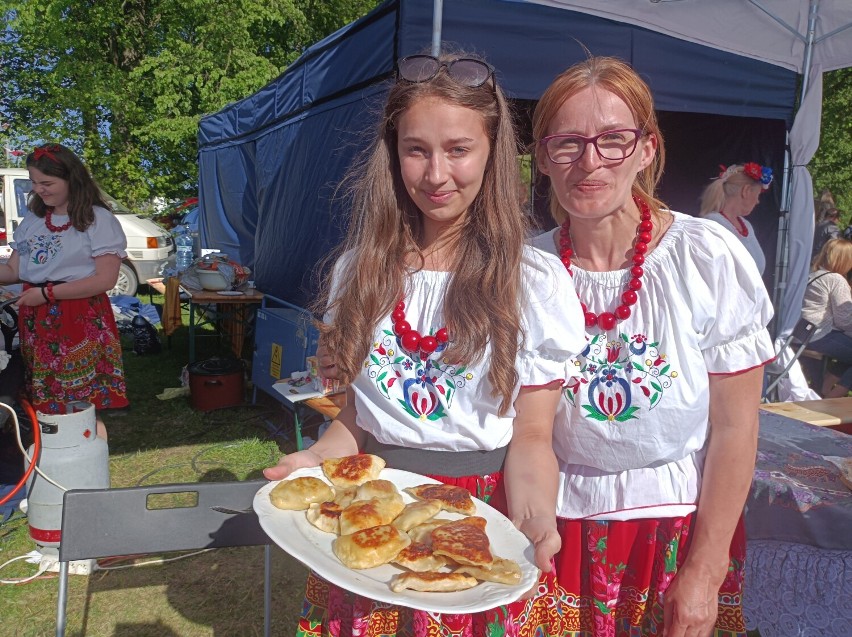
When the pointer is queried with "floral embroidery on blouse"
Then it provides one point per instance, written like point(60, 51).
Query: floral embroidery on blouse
point(43, 248)
point(618, 372)
point(422, 385)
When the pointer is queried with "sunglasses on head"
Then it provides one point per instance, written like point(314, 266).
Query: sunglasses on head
point(466, 71)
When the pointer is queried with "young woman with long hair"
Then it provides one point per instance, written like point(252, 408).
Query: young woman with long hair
point(455, 337)
point(68, 253)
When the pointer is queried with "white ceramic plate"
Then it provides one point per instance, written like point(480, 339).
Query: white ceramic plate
point(230, 293)
point(298, 537)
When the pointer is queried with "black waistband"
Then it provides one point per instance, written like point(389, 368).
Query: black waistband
point(44, 283)
point(453, 464)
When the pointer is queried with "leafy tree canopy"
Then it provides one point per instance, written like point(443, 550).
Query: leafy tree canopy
point(831, 167)
point(125, 82)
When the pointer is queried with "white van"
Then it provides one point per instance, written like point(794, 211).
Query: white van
point(148, 245)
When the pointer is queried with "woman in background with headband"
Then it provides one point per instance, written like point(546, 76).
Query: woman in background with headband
point(68, 254)
point(454, 336)
point(731, 197)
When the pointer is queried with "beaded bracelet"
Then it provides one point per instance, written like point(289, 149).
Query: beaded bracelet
point(50, 296)
point(44, 294)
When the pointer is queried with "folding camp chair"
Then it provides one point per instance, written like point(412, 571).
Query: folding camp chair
point(797, 342)
point(108, 522)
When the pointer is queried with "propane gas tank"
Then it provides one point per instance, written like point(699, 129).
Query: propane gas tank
point(73, 456)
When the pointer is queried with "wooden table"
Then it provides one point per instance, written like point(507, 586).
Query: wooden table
point(232, 312)
point(834, 413)
point(329, 406)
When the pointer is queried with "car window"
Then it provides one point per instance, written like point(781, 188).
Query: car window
point(22, 192)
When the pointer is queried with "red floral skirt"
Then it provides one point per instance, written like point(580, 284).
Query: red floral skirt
point(72, 352)
point(612, 574)
point(330, 611)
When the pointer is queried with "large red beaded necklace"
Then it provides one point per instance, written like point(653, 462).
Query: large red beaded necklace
point(742, 229)
point(49, 223)
point(608, 320)
point(410, 339)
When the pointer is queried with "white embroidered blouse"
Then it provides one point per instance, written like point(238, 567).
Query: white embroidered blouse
point(410, 400)
point(631, 431)
point(68, 255)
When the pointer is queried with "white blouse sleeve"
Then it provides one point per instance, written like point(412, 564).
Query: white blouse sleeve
point(106, 234)
point(553, 324)
point(730, 305)
point(340, 266)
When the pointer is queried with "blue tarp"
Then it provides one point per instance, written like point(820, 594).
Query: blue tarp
point(269, 164)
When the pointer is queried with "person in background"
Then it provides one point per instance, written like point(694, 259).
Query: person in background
point(826, 230)
point(454, 336)
point(828, 305)
point(67, 253)
point(729, 198)
point(656, 439)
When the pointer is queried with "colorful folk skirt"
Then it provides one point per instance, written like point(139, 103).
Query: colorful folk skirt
point(330, 611)
point(612, 576)
point(72, 352)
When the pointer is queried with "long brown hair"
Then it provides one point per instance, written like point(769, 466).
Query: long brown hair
point(55, 160)
point(482, 304)
point(617, 77)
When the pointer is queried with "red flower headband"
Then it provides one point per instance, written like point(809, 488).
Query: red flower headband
point(48, 150)
point(761, 174)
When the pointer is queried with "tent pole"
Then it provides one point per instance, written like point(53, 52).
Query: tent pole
point(809, 48)
point(437, 19)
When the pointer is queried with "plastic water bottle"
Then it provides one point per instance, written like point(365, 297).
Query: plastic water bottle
point(184, 256)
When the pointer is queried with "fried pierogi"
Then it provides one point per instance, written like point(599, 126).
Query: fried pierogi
point(423, 532)
point(367, 513)
point(370, 547)
point(351, 471)
point(455, 499)
point(432, 582)
point(325, 516)
point(416, 513)
point(502, 571)
point(464, 541)
point(298, 494)
point(419, 557)
point(344, 495)
point(380, 489)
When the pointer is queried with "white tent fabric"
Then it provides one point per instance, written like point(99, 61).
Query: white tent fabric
point(775, 31)
point(804, 141)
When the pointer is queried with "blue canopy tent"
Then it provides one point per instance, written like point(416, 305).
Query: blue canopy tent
point(270, 164)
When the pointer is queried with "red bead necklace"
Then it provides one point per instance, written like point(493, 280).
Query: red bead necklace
point(608, 320)
point(49, 223)
point(742, 229)
point(410, 339)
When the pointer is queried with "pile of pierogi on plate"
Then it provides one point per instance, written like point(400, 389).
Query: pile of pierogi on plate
point(375, 526)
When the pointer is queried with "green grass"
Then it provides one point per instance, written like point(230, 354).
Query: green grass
point(157, 442)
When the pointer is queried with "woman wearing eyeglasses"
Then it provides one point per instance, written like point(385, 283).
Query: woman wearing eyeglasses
point(731, 197)
point(656, 439)
point(455, 337)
